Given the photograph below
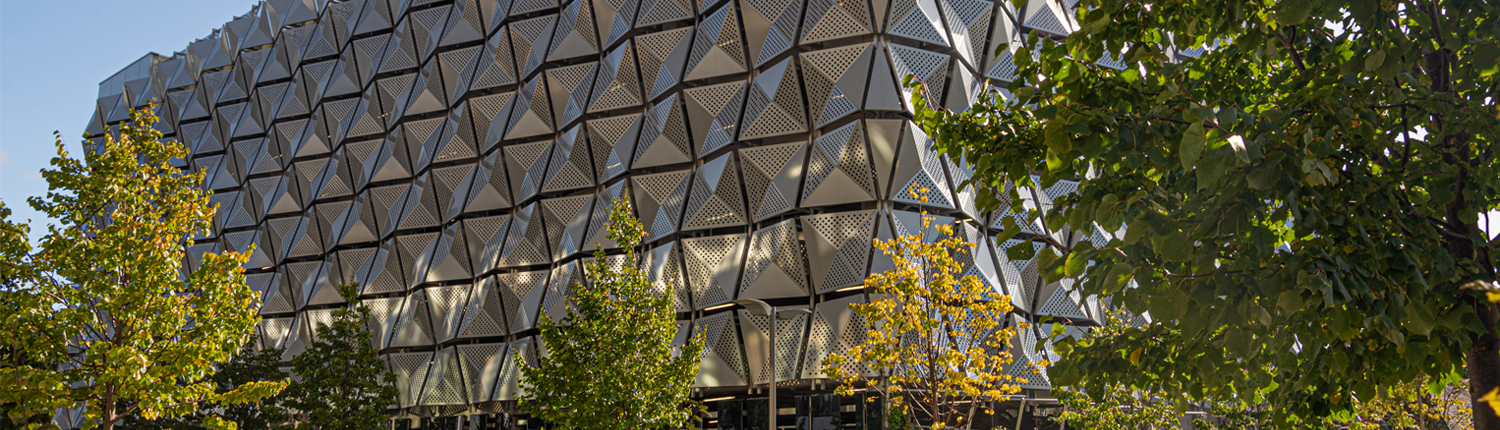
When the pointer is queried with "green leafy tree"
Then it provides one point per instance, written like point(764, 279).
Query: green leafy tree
point(105, 295)
point(1302, 201)
point(340, 383)
point(611, 363)
point(248, 366)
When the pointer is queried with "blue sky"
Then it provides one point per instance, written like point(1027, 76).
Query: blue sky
point(53, 55)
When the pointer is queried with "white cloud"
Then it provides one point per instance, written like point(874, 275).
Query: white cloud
point(4, 157)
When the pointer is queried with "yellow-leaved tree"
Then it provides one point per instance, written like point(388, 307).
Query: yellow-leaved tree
point(938, 346)
point(104, 321)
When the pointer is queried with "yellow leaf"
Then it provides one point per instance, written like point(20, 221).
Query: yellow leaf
point(1492, 398)
point(1135, 356)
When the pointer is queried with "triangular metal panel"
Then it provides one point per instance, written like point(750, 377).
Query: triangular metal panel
point(613, 142)
point(775, 264)
point(507, 385)
point(771, 27)
point(713, 267)
point(723, 362)
point(839, 171)
point(663, 57)
point(919, 166)
point(526, 240)
point(773, 174)
point(789, 342)
point(447, 306)
point(484, 315)
point(486, 187)
point(569, 168)
point(532, 34)
point(468, 21)
point(557, 215)
point(522, 292)
point(715, 199)
point(496, 65)
point(410, 370)
point(775, 105)
point(919, 20)
point(714, 114)
point(928, 67)
point(835, 80)
point(663, 267)
point(532, 112)
point(491, 116)
point(574, 35)
point(597, 234)
point(655, 12)
point(838, 248)
point(616, 85)
point(568, 88)
point(527, 164)
point(968, 24)
point(617, 18)
point(836, 329)
point(485, 237)
point(659, 200)
point(718, 49)
point(664, 138)
point(830, 20)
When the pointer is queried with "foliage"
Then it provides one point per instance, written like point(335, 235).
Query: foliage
point(1301, 202)
point(106, 296)
point(340, 384)
point(248, 366)
point(937, 345)
point(1415, 405)
point(611, 363)
point(1117, 406)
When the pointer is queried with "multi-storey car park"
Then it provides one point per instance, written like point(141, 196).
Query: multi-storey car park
point(455, 159)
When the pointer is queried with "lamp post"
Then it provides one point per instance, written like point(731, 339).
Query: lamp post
point(760, 308)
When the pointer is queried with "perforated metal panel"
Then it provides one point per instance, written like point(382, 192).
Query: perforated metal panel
point(775, 266)
point(839, 171)
point(772, 175)
point(664, 138)
point(835, 80)
point(715, 199)
point(617, 85)
point(663, 266)
point(774, 106)
point(788, 348)
point(835, 329)
point(713, 267)
point(838, 248)
point(484, 314)
point(659, 200)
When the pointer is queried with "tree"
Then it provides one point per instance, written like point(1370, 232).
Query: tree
point(611, 363)
point(937, 347)
point(248, 366)
point(341, 384)
point(1301, 202)
point(106, 297)
point(14, 247)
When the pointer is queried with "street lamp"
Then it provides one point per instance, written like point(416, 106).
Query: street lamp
point(760, 308)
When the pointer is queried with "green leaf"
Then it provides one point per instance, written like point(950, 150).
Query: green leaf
point(1374, 61)
point(1075, 264)
point(1192, 146)
point(1293, 12)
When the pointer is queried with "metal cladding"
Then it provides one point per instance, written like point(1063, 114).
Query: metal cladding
point(456, 160)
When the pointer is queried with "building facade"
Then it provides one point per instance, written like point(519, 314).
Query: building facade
point(456, 159)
